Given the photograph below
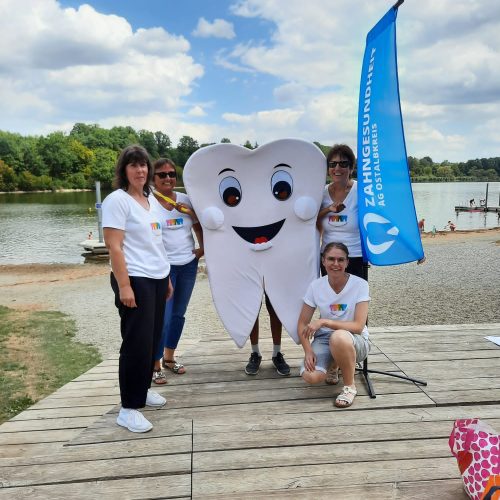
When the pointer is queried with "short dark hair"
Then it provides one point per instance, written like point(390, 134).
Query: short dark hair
point(164, 161)
point(132, 154)
point(344, 151)
point(335, 244)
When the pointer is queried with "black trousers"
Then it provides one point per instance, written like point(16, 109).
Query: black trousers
point(356, 266)
point(141, 329)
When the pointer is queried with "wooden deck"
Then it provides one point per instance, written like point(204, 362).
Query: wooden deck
point(226, 435)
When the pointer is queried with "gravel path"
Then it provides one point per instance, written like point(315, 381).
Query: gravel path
point(459, 283)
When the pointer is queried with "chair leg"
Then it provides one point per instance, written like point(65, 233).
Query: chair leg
point(366, 374)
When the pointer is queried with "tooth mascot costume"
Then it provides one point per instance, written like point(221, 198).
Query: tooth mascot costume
point(258, 211)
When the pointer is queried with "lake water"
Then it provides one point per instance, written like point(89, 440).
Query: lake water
point(48, 227)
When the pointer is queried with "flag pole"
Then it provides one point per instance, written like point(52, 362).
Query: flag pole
point(397, 4)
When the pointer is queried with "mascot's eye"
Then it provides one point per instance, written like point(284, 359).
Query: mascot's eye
point(230, 191)
point(282, 185)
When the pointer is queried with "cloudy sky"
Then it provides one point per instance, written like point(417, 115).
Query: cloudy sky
point(250, 69)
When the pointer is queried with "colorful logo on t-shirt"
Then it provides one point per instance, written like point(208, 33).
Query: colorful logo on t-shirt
point(337, 310)
point(337, 220)
point(338, 307)
point(155, 226)
point(174, 222)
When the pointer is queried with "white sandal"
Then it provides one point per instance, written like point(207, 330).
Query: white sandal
point(346, 397)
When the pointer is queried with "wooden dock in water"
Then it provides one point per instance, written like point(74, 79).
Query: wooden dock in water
point(224, 434)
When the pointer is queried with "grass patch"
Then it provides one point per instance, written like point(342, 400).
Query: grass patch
point(37, 356)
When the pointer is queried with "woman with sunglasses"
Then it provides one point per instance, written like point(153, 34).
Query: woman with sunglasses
point(338, 216)
point(178, 222)
point(340, 334)
point(139, 279)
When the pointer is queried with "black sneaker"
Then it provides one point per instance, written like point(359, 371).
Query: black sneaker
point(281, 365)
point(253, 364)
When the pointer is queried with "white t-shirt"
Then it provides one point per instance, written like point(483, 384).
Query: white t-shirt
point(177, 235)
point(339, 307)
point(342, 227)
point(145, 254)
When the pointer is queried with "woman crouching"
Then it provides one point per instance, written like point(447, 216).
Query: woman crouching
point(340, 332)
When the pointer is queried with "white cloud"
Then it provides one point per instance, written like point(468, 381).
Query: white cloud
point(219, 28)
point(81, 65)
point(196, 111)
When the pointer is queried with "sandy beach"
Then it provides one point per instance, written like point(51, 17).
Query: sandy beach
point(458, 283)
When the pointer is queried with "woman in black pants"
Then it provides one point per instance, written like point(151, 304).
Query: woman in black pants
point(139, 279)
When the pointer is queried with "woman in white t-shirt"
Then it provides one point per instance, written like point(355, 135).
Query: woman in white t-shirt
point(338, 215)
point(178, 222)
point(139, 279)
point(340, 334)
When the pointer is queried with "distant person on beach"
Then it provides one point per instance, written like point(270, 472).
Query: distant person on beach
point(340, 334)
point(421, 225)
point(450, 226)
point(472, 203)
point(139, 279)
point(178, 222)
point(90, 235)
point(433, 232)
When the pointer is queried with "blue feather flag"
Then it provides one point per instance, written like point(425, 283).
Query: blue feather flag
point(387, 218)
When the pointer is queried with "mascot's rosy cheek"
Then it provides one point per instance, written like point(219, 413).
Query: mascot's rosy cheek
point(258, 211)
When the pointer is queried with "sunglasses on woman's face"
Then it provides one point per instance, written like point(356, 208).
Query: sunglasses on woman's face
point(164, 175)
point(341, 164)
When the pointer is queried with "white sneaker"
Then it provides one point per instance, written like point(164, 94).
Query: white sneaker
point(133, 420)
point(154, 399)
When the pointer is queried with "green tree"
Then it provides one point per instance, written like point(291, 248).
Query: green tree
point(148, 140)
point(444, 171)
point(8, 180)
point(92, 136)
point(122, 137)
point(58, 155)
point(185, 148)
point(248, 145)
point(11, 151)
point(225, 140)
point(32, 159)
point(163, 144)
point(103, 166)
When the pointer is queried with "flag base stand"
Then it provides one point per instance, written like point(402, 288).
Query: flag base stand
point(366, 375)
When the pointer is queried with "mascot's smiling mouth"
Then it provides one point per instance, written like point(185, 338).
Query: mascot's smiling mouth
point(260, 234)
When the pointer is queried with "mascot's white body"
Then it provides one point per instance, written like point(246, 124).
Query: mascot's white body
point(258, 211)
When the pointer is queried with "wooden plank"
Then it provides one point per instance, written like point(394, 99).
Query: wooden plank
point(465, 396)
point(52, 424)
point(445, 355)
point(83, 411)
point(45, 436)
point(417, 399)
point(106, 429)
point(316, 435)
point(175, 400)
point(94, 470)
point(289, 454)
point(337, 419)
point(260, 481)
point(78, 401)
point(460, 368)
point(8, 452)
point(165, 446)
point(171, 486)
point(447, 489)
